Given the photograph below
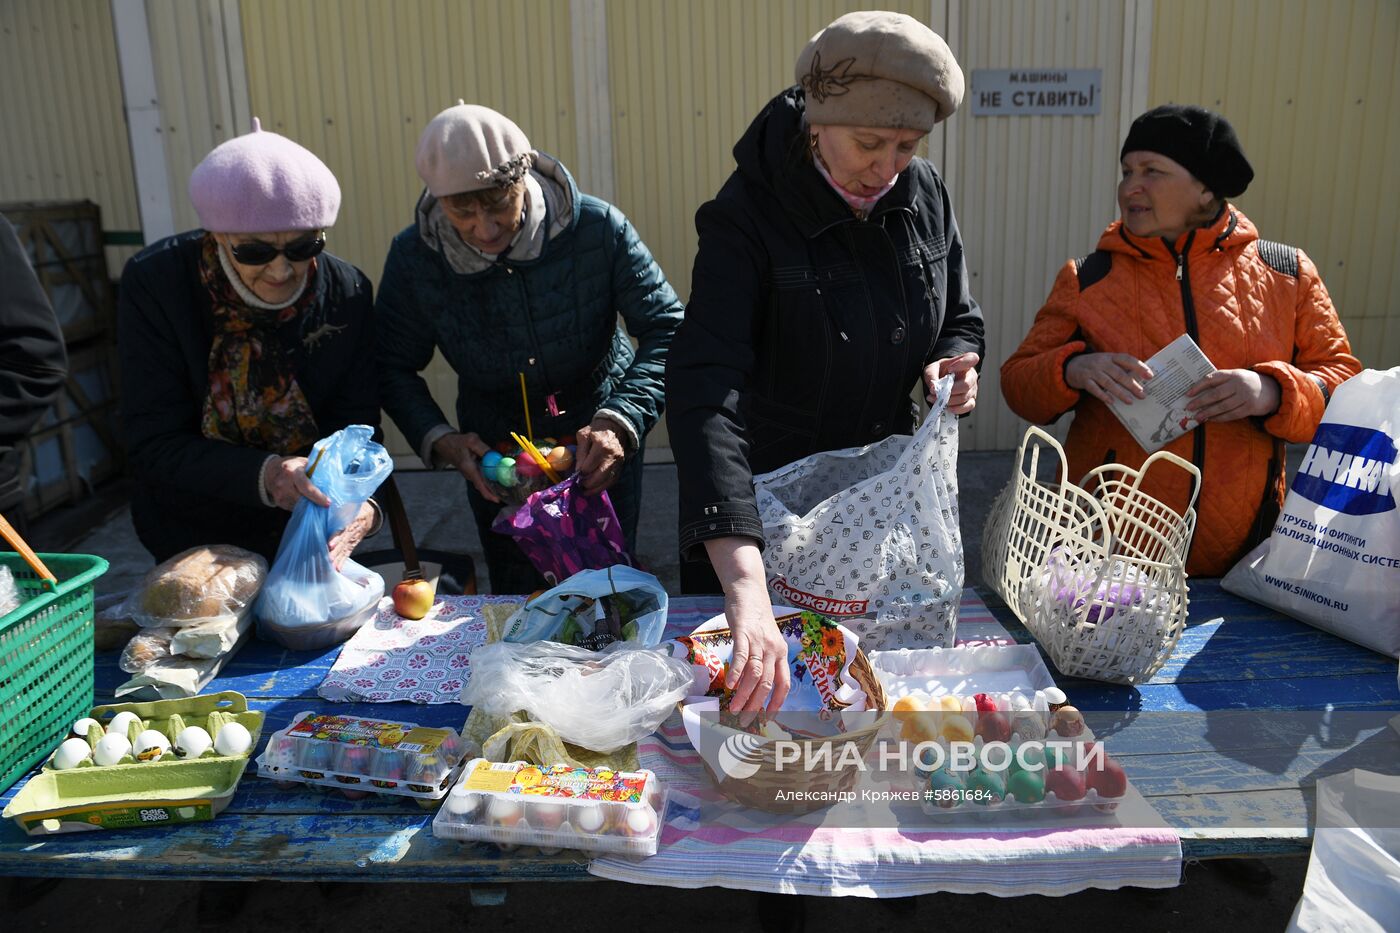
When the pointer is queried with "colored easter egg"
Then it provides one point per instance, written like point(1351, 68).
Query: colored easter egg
point(1065, 783)
point(986, 786)
point(561, 459)
point(505, 472)
point(1026, 786)
point(947, 788)
point(956, 728)
point(490, 459)
point(527, 468)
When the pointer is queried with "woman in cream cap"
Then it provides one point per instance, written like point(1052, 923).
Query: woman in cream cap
point(829, 283)
point(241, 344)
point(508, 269)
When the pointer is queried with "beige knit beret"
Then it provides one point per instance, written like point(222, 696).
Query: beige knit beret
point(879, 69)
point(470, 148)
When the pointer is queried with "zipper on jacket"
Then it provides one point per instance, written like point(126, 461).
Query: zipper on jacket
point(538, 357)
point(1188, 308)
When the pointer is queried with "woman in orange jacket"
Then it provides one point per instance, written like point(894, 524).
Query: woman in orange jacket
point(1183, 260)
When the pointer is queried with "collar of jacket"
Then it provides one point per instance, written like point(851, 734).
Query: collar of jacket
point(1230, 230)
point(815, 208)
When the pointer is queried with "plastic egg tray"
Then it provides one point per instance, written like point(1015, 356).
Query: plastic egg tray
point(359, 757)
point(560, 807)
point(131, 792)
point(944, 804)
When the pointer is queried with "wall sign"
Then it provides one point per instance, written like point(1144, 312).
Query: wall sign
point(999, 92)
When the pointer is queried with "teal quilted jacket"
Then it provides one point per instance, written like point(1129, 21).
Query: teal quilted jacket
point(554, 318)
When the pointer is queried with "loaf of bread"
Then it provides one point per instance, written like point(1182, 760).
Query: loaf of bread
point(200, 585)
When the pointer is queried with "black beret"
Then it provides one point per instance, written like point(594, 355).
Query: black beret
point(1203, 142)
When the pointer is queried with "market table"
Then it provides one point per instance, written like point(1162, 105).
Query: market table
point(1320, 703)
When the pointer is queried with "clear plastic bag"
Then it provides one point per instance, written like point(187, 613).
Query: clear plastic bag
point(145, 648)
point(306, 603)
point(600, 700)
point(198, 586)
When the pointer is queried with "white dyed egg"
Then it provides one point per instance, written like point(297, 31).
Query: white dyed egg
point(503, 812)
point(150, 746)
point(192, 742)
point(462, 804)
point(547, 815)
point(71, 753)
point(111, 749)
point(588, 818)
point(640, 822)
point(81, 727)
point(122, 722)
point(234, 740)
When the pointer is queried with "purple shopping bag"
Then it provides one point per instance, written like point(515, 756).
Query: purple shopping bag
point(564, 530)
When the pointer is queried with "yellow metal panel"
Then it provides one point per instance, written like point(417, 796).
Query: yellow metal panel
point(1030, 192)
point(686, 80)
point(1311, 87)
point(64, 136)
point(356, 81)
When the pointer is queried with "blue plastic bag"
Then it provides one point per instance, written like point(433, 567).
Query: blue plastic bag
point(594, 608)
point(306, 603)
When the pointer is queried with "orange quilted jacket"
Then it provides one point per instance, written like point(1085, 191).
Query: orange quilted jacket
point(1248, 304)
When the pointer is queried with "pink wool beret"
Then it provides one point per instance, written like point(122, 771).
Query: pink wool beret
point(263, 183)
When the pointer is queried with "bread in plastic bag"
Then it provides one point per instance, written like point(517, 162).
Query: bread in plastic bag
point(145, 648)
point(600, 700)
point(197, 586)
point(306, 603)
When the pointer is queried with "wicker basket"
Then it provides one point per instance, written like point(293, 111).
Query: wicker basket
point(762, 790)
point(1098, 578)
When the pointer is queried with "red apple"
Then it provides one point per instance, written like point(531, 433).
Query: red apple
point(1065, 783)
point(993, 727)
point(1109, 781)
point(413, 597)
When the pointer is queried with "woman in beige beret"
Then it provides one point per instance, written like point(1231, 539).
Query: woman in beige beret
point(829, 282)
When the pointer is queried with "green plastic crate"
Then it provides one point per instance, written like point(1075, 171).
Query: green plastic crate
point(45, 659)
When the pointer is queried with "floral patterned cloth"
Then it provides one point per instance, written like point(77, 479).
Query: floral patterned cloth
point(254, 399)
point(393, 659)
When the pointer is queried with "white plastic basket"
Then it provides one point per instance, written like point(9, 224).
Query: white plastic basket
point(1099, 578)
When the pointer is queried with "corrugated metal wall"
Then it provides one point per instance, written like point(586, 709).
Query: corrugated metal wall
point(356, 81)
point(1314, 91)
point(1032, 191)
point(63, 136)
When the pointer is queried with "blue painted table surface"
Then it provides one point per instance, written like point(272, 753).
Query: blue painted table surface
point(1233, 783)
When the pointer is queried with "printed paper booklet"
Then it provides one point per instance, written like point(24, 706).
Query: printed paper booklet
point(1161, 417)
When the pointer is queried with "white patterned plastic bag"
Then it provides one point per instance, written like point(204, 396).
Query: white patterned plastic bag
point(869, 535)
point(1333, 559)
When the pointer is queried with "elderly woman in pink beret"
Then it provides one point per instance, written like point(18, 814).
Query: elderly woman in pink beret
point(241, 344)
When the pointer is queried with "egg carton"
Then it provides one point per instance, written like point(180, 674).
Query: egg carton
point(1008, 808)
point(359, 757)
point(517, 803)
point(176, 784)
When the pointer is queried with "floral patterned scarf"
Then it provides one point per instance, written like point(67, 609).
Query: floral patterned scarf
point(254, 400)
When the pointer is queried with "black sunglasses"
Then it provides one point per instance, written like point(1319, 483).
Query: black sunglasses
point(258, 253)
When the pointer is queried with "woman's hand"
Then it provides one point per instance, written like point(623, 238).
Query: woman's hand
point(1231, 394)
point(963, 398)
point(600, 455)
point(758, 668)
point(1108, 377)
point(287, 483)
point(464, 451)
point(343, 543)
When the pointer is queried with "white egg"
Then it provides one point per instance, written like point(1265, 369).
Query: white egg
point(122, 721)
point(81, 727)
point(462, 804)
point(192, 742)
point(233, 740)
point(150, 746)
point(71, 753)
point(111, 749)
